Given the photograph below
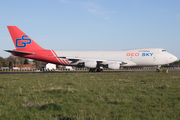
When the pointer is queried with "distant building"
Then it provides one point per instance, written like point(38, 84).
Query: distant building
point(4, 68)
point(25, 66)
point(68, 67)
point(50, 66)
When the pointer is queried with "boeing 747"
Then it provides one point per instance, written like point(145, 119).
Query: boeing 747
point(93, 60)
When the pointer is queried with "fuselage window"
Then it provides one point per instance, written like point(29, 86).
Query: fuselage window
point(144, 51)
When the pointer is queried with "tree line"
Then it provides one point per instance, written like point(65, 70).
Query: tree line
point(11, 61)
point(176, 63)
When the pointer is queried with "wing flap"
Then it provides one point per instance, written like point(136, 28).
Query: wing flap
point(74, 59)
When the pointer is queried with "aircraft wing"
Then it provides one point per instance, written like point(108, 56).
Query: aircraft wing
point(99, 61)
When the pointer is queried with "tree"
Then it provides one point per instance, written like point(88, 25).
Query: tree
point(21, 60)
point(26, 61)
point(10, 65)
point(13, 59)
point(56, 66)
point(2, 62)
point(5, 63)
point(176, 63)
point(39, 64)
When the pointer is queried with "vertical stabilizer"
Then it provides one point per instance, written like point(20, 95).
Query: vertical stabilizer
point(21, 40)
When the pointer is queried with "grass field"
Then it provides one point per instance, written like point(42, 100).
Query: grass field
point(89, 96)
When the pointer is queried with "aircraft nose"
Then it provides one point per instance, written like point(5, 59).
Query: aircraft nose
point(173, 58)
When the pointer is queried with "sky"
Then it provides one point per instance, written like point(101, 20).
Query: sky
point(93, 24)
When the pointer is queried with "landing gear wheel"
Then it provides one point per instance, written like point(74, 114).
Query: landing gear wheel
point(95, 70)
point(92, 70)
point(99, 70)
point(158, 68)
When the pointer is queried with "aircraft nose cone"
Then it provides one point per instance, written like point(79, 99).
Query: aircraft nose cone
point(173, 58)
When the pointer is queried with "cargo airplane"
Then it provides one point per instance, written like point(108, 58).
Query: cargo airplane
point(95, 61)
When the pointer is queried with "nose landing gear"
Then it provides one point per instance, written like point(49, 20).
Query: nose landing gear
point(158, 68)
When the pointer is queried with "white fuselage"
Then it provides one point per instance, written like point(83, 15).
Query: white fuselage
point(134, 57)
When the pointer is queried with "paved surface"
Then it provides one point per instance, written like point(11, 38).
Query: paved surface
point(110, 71)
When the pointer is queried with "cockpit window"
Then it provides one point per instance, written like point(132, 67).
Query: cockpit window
point(163, 50)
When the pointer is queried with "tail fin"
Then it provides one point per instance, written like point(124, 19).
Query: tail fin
point(21, 40)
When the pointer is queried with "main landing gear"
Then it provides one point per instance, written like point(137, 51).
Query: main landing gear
point(92, 70)
point(95, 70)
point(158, 68)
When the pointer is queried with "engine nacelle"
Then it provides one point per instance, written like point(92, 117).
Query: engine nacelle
point(90, 64)
point(113, 66)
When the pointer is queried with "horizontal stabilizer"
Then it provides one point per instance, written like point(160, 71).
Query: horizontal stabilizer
point(19, 52)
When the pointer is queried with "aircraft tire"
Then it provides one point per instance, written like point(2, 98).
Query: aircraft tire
point(99, 70)
point(92, 70)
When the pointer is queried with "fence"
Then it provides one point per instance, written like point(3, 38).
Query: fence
point(79, 69)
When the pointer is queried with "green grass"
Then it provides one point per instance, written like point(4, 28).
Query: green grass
point(106, 96)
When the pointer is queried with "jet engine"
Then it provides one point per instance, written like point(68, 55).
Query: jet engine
point(90, 64)
point(113, 66)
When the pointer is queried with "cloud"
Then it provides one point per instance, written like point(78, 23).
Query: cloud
point(62, 1)
point(92, 8)
point(92, 5)
point(100, 13)
point(98, 10)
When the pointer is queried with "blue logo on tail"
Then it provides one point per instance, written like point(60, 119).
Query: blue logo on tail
point(21, 43)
